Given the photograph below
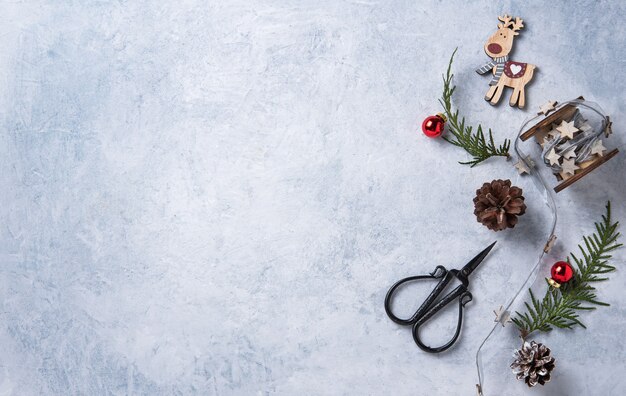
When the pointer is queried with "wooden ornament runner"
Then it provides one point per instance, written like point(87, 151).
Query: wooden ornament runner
point(506, 73)
point(560, 129)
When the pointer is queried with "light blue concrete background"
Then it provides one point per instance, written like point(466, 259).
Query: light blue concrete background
point(213, 198)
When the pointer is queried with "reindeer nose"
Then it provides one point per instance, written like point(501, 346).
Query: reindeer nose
point(494, 48)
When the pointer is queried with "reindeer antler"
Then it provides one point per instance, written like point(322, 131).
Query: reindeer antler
point(507, 22)
point(517, 25)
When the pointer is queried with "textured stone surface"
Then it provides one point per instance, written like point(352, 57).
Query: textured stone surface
point(214, 199)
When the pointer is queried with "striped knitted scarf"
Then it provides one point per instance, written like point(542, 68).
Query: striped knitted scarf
point(498, 63)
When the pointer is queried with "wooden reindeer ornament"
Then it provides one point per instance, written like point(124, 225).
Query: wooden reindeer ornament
point(506, 73)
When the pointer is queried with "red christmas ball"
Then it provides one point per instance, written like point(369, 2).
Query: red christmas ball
point(433, 125)
point(561, 272)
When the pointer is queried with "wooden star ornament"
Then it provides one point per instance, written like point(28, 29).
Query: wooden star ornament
point(609, 127)
point(554, 133)
point(521, 167)
point(550, 243)
point(571, 153)
point(598, 148)
point(585, 127)
point(546, 108)
point(502, 316)
point(569, 166)
point(553, 157)
point(567, 129)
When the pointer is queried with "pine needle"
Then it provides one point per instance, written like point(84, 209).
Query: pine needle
point(474, 143)
point(560, 307)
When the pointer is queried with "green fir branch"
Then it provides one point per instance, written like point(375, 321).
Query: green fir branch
point(560, 307)
point(474, 143)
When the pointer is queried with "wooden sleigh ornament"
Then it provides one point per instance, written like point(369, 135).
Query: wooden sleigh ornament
point(506, 73)
point(572, 146)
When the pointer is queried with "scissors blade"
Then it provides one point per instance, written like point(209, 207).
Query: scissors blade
point(471, 266)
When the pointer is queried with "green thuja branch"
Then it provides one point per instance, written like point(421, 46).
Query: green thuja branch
point(474, 143)
point(560, 307)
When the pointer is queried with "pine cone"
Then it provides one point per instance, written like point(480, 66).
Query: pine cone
point(497, 205)
point(533, 363)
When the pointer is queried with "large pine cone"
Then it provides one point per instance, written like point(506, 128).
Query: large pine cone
point(533, 363)
point(497, 205)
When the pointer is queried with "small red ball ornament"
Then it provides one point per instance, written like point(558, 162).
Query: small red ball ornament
point(561, 272)
point(433, 125)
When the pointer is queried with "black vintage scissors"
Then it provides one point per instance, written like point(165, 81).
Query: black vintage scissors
point(431, 305)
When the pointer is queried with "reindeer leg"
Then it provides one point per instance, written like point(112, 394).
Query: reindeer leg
point(514, 97)
point(527, 77)
point(522, 98)
point(497, 94)
point(489, 94)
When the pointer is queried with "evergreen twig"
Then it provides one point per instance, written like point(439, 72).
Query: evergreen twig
point(474, 143)
point(559, 307)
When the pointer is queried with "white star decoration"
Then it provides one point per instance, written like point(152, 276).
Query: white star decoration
point(571, 153)
point(554, 134)
point(547, 108)
point(503, 317)
point(598, 148)
point(521, 167)
point(609, 128)
point(553, 157)
point(569, 166)
point(585, 127)
point(550, 243)
point(567, 129)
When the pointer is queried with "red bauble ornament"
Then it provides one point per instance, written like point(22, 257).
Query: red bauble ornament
point(433, 125)
point(561, 272)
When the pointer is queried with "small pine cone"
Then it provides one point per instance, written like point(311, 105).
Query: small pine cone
point(533, 363)
point(497, 205)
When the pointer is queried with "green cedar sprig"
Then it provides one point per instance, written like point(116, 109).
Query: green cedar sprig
point(559, 307)
point(474, 143)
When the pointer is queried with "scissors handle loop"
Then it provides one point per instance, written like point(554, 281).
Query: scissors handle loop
point(440, 272)
point(464, 297)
